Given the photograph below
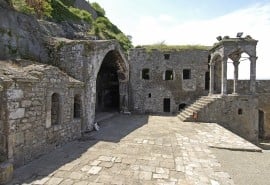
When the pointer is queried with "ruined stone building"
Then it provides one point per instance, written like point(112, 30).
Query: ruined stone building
point(52, 87)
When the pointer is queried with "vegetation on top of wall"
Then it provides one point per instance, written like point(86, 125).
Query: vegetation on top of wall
point(105, 29)
point(58, 10)
point(100, 11)
point(64, 10)
point(166, 48)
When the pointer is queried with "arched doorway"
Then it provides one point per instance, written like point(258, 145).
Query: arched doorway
point(109, 82)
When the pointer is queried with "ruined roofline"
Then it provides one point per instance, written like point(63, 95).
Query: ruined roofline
point(171, 48)
point(230, 41)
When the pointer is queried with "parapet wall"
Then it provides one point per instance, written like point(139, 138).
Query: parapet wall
point(262, 86)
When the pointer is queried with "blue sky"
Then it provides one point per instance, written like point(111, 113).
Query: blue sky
point(194, 22)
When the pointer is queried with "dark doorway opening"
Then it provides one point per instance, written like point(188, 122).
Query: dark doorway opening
point(107, 85)
point(261, 124)
point(207, 81)
point(182, 106)
point(167, 105)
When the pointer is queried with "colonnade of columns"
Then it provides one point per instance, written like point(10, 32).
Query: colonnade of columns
point(236, 63)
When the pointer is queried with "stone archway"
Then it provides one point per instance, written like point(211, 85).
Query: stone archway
point(112, 84)
point(107, 84)
point(216, 73)
point(106, 81)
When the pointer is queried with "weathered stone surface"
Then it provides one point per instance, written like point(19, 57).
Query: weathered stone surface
point(6, 172)
point(16, 114)
point(28, 105)
point(148, 95)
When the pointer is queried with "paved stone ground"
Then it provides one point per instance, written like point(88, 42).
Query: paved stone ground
point(138, 150)
point(250, 168)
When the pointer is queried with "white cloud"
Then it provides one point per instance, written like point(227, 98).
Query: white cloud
point(254, 21)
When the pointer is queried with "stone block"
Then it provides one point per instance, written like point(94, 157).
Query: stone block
point(26, 103)
point(6, 172)
point(14, 94)
point(16, 114)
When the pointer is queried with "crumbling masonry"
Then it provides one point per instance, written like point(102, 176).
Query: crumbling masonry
point(54, 96)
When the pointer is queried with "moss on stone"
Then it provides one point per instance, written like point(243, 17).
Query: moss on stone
point(168, 48)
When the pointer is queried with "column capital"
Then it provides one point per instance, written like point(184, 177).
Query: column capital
point(253, 58)
point(236, 63)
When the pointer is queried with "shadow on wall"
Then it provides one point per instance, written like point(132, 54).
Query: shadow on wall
point(112, 130)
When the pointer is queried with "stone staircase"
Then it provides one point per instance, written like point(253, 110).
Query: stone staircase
point(190, 114)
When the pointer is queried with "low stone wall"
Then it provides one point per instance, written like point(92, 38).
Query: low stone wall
point(237, 113)
point(262, 86)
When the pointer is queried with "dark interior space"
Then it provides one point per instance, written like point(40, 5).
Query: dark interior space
point(182, 106)
point(166, 105)
point(207, 81)
point(261, 124)
point(107, 94)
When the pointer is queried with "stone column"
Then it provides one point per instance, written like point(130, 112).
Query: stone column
point(123, 91)
point(212, 76)
point(224, 76)
point(253, 74)
point(235, 81)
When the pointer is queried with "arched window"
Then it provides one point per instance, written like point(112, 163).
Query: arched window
point(169, 75)
point(55, 109)
point(77, 106)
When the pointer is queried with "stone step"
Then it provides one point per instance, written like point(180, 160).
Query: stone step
point(196, 107)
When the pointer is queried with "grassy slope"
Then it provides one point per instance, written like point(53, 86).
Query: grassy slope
point(63, 10)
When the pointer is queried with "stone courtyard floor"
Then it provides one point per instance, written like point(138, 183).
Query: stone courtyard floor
point(148, 150)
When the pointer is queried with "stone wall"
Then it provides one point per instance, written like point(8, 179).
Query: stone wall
point(82, 60)
point(237, 113)
point(262, 86)
point(28, 105)
point(2, 135)
point(264, 105)
point(147, 95)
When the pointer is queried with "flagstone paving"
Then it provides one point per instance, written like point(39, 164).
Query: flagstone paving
point(138, 149)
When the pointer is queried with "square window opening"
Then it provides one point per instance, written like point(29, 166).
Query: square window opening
point(186, 74)
point(166, 56)
point(145, 74)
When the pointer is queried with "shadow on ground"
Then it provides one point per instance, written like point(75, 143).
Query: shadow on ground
point(112, 130)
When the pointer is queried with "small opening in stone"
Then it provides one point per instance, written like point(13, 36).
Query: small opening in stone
point(182, 106)
point(240, 111)
point(169, 75)
point(55, 109)
point(145, 74)
point(166, 56)
point(186, 74)
point(149, 95)
point(77, 106)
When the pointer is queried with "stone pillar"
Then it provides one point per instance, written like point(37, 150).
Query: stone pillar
point(235, 81)
point(123, 92)
point(212, 76)
point(253, 74)
point(224, 76)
